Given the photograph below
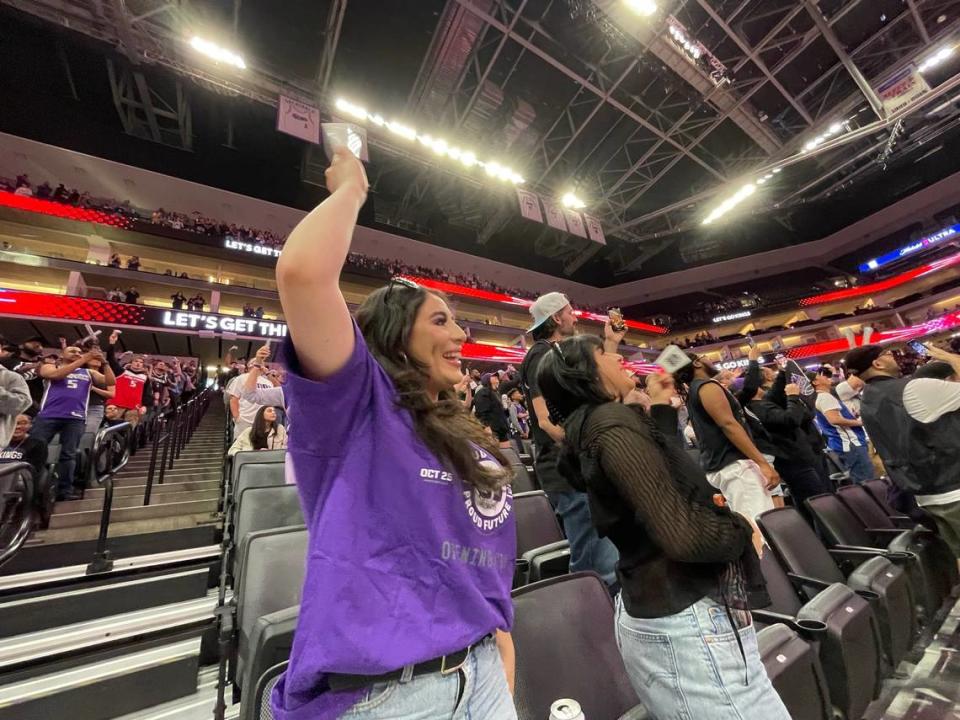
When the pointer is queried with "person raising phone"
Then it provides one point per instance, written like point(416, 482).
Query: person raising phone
point(406, 600)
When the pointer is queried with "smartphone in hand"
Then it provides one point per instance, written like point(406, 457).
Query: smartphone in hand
point(616, 320)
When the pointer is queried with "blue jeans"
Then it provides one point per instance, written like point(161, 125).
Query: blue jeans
point(857, 462)
point(689, 665)
point(588, 551)
point(70, 431)
point(478, 691)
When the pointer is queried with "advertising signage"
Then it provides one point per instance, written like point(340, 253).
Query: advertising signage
point(63, 307)
point(914, 247)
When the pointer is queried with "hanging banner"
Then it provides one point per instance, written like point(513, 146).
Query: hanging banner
point(575, 223)
point(299, 119)
point(554, 212)
point(529, 205)
point(902, 89)
point(594, 229)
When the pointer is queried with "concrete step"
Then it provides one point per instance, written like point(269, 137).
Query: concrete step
point(54, 536)
point(183, 462)
point(92, 517)
point(171, 476)
point(158, 489)
point(132, 501)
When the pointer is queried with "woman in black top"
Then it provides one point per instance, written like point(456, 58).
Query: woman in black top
point(683, 627)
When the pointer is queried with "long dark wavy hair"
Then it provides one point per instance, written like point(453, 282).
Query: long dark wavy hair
point(260, 432)
point(386, 320)
point(568, 377)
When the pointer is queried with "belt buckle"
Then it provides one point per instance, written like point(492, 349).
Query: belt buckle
point(444, 670)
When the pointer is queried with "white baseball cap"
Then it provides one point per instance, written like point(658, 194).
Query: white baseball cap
point(545, 307)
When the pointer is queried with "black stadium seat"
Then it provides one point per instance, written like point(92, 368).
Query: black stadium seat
point(805, 557)
point(542, 550)
point(794, 669)
point(264, 508)
point(522, 480)
point(938, 559)
point(269, 579)
point(564, 636)
point(842, 529)
point(841, 626)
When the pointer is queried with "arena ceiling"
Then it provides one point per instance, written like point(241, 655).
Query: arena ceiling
point(581, 95)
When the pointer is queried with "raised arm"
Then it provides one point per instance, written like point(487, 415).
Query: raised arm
point(685, 532)
point(52, 372)
point(308, 271)
point(112, 353)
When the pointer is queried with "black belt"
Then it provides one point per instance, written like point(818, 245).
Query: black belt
point(445, 665)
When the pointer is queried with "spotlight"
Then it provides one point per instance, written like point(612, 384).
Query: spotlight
point(642, 7)
point(217, 53)
point(571, 201)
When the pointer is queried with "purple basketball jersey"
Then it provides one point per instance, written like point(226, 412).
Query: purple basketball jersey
point(66, 398)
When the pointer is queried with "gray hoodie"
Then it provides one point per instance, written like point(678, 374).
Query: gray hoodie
point(14, 399)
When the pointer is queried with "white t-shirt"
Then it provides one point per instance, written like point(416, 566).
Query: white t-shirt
point(850, 397)
point(827, 402)
point(926, 400)
point(248, 410)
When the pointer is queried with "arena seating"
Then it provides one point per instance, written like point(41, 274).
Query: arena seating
point(870, 574)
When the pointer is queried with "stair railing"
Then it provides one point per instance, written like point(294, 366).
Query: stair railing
point(111, 452)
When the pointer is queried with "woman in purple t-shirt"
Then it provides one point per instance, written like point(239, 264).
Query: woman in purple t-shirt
point(406, 607)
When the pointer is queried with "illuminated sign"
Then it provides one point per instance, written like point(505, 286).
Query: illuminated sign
point(913, 247)
point(223, 323)
point(732, 316)
point(736, 364)
point(253, 248)
point(882, 285)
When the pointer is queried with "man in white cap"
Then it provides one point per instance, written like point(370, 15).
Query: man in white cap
point(553, 321)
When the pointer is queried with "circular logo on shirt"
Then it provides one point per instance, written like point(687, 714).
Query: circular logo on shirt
point(489, 509)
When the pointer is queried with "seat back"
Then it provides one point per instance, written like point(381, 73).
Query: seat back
point(260, 457)
point(256, 705)
point(265, 508)
point(839, 525)
point(783, 595)
point(536, 521)
point(851, 648)
point(563, 630)
point(522, 481)
point(878, 491)
point(867, 510)
point(794, 669)
point(797, 546)
point(254, 475)
point(270, 573)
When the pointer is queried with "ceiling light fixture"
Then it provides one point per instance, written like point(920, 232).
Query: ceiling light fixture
point(642, 7)
point(441, 147)
point(731, 202)
point(936, 59)
point(217, 53)
point(837, 128)
point(571, 201)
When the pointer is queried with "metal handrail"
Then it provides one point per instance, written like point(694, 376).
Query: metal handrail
point(111, 452)
point(11, 472)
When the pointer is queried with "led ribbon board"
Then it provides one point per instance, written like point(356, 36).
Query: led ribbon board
point(477, 294)
point(914, 247)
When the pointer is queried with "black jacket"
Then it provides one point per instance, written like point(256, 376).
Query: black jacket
point(489, 409)
point(675, 548)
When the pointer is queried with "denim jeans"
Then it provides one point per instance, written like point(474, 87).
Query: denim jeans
point(857, 461)
point(94, 418)
point(689, 666)
point(70, 431)
point(588, 551)
point(803, 481)
point(478, 691)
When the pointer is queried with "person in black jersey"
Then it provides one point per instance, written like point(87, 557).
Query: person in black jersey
point(488, 408)
point(554, 320)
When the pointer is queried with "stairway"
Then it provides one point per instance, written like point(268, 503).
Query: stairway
point(187, 498)
point(139, 640)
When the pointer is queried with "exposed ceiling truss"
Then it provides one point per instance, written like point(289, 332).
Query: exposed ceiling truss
point(640, 132)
